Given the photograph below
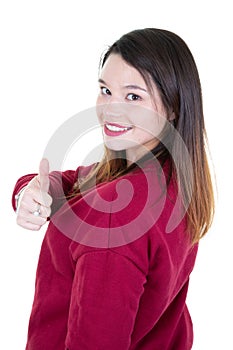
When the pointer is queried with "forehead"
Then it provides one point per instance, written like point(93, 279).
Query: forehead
point(119, 71)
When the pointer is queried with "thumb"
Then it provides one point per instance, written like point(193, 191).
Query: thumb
point(44, 175)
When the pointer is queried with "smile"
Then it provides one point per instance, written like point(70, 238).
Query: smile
point(115, 129)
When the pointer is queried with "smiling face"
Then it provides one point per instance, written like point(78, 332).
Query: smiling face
point(130, 115)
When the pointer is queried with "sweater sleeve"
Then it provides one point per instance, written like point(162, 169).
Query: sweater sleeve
point(105, 298)
point(20, 184)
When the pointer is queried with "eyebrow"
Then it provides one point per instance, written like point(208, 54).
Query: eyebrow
point(131, 86)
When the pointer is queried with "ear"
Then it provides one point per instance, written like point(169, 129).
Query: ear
point(172, 116)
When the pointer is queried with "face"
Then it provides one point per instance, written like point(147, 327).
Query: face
point(131, 117)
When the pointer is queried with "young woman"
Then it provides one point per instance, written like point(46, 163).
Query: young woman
point(115, 263)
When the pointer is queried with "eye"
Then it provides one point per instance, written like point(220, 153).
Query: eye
point(105, 91)
point(133, 97)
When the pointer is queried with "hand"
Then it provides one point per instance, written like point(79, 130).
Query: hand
point(35, 204)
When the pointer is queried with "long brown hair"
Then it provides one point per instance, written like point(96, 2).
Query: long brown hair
point(164, 57)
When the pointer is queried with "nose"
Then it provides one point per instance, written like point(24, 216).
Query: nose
point(114, 109)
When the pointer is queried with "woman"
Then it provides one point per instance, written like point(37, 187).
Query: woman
point(115, 262)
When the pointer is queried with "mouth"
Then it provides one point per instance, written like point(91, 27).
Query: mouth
point(112, 129)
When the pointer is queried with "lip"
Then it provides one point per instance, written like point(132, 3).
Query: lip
point(115, 133)
point(118, 125)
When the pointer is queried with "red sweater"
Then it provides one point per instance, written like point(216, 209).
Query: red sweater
point(110, 276)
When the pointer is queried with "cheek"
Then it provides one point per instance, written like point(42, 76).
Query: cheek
point(141, 135)
point(99, 108)
point(149, 124)
point(98, 99)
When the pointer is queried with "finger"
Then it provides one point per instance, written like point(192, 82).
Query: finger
point(26, 216)
point(44, 211)
point(29, 226)
point(42, 198)
point(36, 220)
point(31, 204)
point(44, 175)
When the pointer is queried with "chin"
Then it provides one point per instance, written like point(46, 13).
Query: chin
point(112, 147)
point(119, 145)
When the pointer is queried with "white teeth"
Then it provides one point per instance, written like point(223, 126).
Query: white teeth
point(115, 128)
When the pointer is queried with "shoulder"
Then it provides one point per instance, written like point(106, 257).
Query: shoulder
point(119, 212)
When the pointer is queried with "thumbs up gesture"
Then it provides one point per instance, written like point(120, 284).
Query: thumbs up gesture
point(35, 202)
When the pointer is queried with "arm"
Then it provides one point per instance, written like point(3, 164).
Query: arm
point(33, 194)
point(60, 184)
point(48, 190)
point(105, 297)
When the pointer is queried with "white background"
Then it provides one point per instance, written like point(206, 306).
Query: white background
point(49, 56)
